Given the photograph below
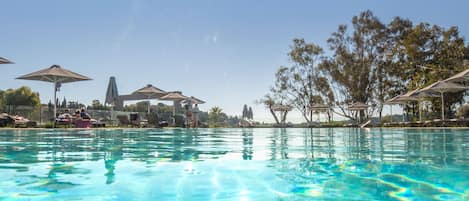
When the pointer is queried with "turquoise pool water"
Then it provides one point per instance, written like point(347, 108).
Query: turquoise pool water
point(235, 164)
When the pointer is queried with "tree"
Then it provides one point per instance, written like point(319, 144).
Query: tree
point(303, 85)
point(250, 115)
point(245, 112)
point(425, 53)
point(64, 103)
point(466, 53)
point(354, 68)
point(22, 96)
point(97, 105)
point(216, 117)
point(2, 102)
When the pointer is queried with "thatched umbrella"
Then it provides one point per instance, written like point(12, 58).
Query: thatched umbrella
point(281, 108)
point(5, 61)
point(176, 97)
point(460, 77)
point(358, 106)
point(319, 108)
point(150, 92)
point(414, 95)
point(392, 101)
point(56, 75)
point(193, 100)
point(442, 87)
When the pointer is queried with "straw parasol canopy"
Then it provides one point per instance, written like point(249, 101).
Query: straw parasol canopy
point(5, 61)
point(394, 100)
point(194, 100)
point(112, 95)
point(281, 108)
point(176, 97)
point(408, 97)
point(319, 107)
point(56, 75)
point(442, 87)
point(414, 95)
point(150, 92)
point(460, 77)
point(358, 106)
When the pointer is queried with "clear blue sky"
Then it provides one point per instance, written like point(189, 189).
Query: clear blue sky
point(224, 52)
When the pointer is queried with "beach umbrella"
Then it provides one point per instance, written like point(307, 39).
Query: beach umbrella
point(319, 108)
point(460, 77)
point(392, 101)
point(358, 106)
point(5, 61)
point(281, 108)
point(193, 100)
point(57, 75)
point(414, 95)
point(176, 97)
point(442, 87)
point(150, 92)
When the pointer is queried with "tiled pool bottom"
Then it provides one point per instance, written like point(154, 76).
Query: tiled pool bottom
point(235, 164)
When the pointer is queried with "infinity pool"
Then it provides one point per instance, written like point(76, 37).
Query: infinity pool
point(235, 164)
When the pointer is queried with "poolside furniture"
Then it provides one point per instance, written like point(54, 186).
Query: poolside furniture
point(133, 122)
point(57, 75)
point(83, 123)
point(63, 122)
point(6, 120)
point(97, 123)
point(21, 122)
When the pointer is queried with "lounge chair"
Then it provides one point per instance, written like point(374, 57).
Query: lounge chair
point(6, 120)
point(124, 121)
point(24, 122)
point(83, 123)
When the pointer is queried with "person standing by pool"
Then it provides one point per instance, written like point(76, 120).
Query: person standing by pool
point(195, 116)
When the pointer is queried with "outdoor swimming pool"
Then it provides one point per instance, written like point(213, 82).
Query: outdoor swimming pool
point(235, 164)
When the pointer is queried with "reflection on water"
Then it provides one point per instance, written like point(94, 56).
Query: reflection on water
point(256, 164)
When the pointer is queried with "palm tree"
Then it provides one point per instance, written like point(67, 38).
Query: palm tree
point(216, 116)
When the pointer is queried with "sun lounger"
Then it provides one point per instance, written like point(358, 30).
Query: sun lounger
point(83, 123)
point(124, 121)
point(24, 122)
point(6, 120)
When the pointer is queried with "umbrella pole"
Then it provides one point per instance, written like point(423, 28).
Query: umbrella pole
point(55, 103)
point(420, 111)
point(442, 107)
point(148, 108)
point(391, 113)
